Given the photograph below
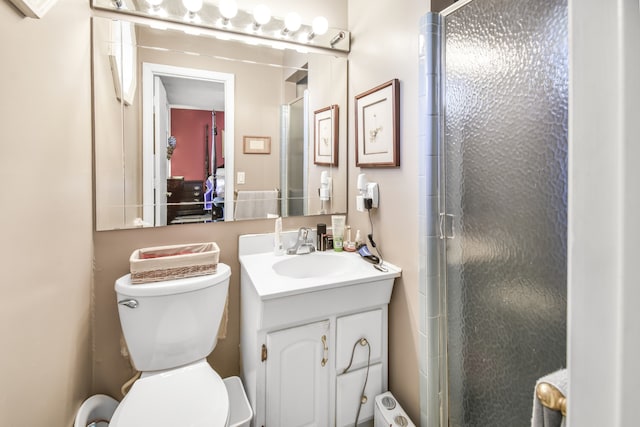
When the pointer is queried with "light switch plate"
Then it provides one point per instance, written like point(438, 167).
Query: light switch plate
point(240, 179)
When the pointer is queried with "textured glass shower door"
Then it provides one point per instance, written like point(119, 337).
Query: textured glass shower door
point(504, 192)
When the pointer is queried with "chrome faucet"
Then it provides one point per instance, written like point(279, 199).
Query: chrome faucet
point(303, 244)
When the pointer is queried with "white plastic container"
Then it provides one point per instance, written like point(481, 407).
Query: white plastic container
point(96, 411)
point(240, 412)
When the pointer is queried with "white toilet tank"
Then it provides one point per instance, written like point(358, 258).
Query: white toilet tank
point(174, 322)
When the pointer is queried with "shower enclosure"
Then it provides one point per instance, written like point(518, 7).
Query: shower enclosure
point(494, 79)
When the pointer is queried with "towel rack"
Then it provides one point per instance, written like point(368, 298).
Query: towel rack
point(235, 192)
point(551, 397)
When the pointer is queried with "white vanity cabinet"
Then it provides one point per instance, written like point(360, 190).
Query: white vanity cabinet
point(297, 337)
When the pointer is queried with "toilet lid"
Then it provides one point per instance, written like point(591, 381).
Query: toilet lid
point(191, 396)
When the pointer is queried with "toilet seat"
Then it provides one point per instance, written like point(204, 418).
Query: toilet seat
point(193, 395)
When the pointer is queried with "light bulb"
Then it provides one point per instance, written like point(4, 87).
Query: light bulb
point(192, 6)
point(292, 22)
point(228, 8)
point(320, 25)
point(261, 14)
point(154, 3)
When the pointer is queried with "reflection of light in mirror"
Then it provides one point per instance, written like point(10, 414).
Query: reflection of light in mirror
point(193, 31)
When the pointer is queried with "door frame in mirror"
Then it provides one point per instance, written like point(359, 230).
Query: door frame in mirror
point(151, 70)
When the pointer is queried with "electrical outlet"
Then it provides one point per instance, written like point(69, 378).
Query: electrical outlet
point(372, 194)
point(240, 179)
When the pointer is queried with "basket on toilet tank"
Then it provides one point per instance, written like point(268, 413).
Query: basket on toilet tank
point(173, 262)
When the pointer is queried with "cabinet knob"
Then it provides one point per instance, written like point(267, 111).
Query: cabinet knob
point(325, 359)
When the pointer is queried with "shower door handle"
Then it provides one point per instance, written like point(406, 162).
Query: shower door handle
point(446, 226)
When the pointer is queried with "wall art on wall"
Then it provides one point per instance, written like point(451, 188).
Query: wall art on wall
point(325, 139)
point(33, 8)
point(257, 145)
point(377, 115)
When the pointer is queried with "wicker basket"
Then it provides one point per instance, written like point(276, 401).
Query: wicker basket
point(173, 262)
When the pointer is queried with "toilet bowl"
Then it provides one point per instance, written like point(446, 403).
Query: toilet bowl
point(170, 327)
point(193, 395)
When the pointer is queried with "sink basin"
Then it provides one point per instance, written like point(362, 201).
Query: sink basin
point(312, 265)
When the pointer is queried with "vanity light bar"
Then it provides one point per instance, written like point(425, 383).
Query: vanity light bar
point(228, 18)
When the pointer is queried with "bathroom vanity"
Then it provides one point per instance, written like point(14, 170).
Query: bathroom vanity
point(303, 320)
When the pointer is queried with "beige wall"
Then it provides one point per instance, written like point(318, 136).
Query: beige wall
point(45, 220)
point(46, 318)
point(385, 46)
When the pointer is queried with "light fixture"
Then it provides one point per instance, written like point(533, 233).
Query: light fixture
point(261, 15)
point(340, 36)
point(155, 9)
point(154, 4)
point(319, 26)
point(227, 16)
point(292, 23)
point(193, 7)
point(228, 10)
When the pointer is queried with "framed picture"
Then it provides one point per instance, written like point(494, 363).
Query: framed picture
point(257, 145)
point(377, 126)
point(34, 8)
point(325, 138)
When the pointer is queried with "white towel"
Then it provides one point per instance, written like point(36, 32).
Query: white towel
point(257, 204)
point(543, 416)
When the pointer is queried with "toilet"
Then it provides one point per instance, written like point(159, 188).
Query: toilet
point(170, 327)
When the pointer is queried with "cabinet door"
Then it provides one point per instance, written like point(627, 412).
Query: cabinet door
point(352, 328)
point(349, 395)
point(297, 376)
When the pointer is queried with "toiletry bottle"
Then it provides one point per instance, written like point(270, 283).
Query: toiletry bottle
point(337, 225)
point(358, 241)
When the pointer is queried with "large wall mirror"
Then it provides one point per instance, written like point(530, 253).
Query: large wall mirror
point(197, 128)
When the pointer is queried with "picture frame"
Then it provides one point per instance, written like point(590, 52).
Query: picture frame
point(325, 136)
point(256, 145)
point(377, 117)
point(33, 8)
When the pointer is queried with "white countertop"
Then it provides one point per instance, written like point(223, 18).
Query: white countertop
point(269, 284)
